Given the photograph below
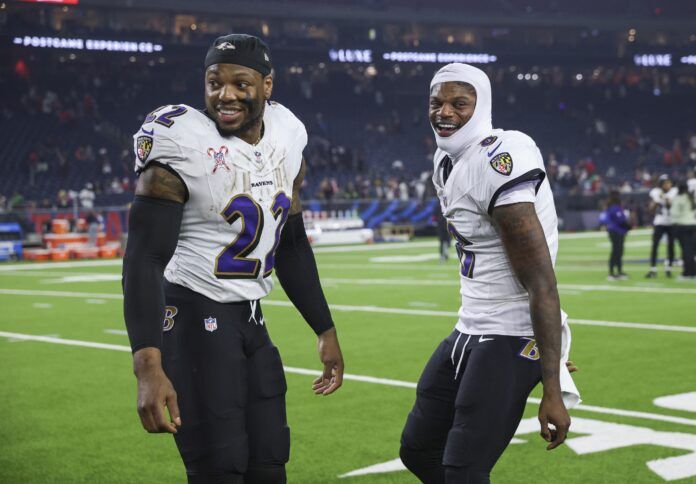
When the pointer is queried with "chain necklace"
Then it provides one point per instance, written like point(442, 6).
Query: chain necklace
point(263, 128)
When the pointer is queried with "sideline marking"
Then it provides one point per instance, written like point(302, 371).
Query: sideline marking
point(84, 278)
point(455, 282)
point(367, 309)
point(120, 332)
point(36, 266)
point(361, 378)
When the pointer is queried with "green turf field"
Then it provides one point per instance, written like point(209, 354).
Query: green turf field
point(68, 411)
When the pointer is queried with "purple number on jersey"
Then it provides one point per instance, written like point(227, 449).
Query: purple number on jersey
point(166, 118)
point(153, 115)
point(232, 262)
point(467, 258)
point(280, 208)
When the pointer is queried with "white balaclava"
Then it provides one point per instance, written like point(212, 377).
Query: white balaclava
point(480, 124)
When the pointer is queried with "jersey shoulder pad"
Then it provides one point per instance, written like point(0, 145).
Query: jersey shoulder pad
point(512, 160)
point(513, 155)
point(160, 136)
point(285, 120)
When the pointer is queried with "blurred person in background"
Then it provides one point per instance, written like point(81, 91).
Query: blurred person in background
point(94, 224)
point(616, 220)
point(87, 196)
point(661, 201)
point(684, 219)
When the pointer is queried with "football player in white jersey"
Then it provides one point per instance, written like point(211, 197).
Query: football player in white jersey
point(499, 207)
point(216, 209)
point(661, 198)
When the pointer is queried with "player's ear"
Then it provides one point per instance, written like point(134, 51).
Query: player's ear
point(268, 86)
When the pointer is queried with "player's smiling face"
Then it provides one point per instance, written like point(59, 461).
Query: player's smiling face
point(235, 97)
point(452, 105)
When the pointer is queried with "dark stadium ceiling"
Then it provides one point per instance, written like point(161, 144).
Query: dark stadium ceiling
point(678, 14)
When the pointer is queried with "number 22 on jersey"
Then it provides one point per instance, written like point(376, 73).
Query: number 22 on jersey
point(466, 257)
point(232, 262)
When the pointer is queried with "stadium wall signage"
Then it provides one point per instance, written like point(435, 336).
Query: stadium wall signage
point(86, 44)
point(367, 56)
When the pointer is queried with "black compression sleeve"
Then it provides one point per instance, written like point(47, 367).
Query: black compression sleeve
point(297, 273)
point(153, 231)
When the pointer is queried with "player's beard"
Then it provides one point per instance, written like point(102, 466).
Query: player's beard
point(255, 108)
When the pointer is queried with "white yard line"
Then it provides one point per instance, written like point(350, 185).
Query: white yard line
point(363, 309)
point(360, 378)
point(86, 295)
point(20, 273)
point(455, 282)
point(599, 234)
point(618, 324)
point(619, 288)
point(37, 266)
point(371, 247)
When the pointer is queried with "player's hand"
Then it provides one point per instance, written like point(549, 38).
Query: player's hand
point(332, 358)
point(155, 391)
point(553, 411)
point(571, 366)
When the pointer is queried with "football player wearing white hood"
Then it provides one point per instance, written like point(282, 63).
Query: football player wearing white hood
point(511, 332)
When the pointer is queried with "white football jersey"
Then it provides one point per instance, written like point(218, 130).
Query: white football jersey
point(239, 196)
point(493, 300)
point(663, 200)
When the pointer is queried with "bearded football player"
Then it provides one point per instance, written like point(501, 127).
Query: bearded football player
point(216, 209)
point(511, 332)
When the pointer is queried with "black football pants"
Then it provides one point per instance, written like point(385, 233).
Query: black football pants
point(469, 402)
point(231, 389)
point(617, 250)
point(686, 234)
point(658, 232)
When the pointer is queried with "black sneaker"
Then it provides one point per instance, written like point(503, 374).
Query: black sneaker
point(651, 275)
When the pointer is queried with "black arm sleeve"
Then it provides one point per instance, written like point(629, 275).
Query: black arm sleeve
point(297, 273)
point(153, 231)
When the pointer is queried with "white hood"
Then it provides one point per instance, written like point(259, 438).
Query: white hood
point(480, 124)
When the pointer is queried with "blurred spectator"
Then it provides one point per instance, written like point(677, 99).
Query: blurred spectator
point(87, 196)
point(63, 199)
point(683, 213)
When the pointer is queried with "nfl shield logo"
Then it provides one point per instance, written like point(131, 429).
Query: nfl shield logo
point(210, 324)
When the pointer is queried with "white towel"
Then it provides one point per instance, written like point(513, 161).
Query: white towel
point(570, 393)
